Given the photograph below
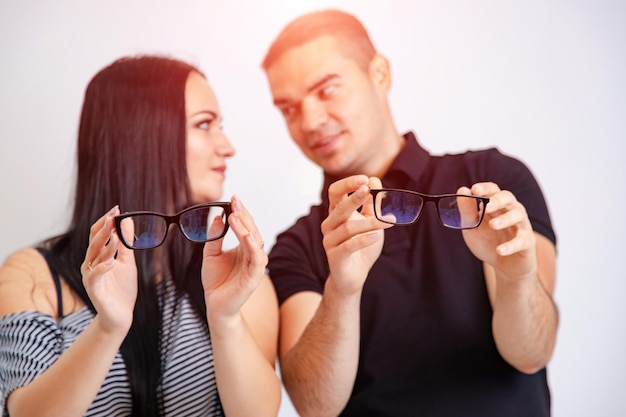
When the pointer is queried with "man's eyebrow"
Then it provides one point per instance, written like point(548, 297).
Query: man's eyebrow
point(284, 101)
point(321, 82)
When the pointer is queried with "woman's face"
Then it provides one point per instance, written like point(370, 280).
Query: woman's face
point(207, 146)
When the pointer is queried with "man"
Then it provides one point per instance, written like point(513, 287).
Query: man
point(378, 319)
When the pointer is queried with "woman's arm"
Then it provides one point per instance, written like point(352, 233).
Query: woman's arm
point(242, 312)
point(69, 386)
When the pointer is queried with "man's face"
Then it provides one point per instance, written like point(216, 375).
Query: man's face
point(332, 107)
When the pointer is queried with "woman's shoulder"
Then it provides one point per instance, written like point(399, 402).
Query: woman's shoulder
point(26, 284)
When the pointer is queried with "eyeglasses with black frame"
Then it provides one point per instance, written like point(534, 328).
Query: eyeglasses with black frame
point(404, 207)
point(148, 229)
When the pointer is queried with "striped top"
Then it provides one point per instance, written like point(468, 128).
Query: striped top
point(31, 341)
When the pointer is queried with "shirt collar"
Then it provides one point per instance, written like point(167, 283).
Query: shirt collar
point(409, 164)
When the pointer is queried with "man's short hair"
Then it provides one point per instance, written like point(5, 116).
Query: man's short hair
point(351, 36)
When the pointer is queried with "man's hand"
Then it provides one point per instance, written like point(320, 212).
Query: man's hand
point(353, 238)
point(505, 239)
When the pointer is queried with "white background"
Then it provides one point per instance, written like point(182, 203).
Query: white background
point(542, 80)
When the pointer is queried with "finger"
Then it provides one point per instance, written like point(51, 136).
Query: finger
point(214, 247)
point(336, 236)
point(246, 218)
point(354, 243)
point(249, 243)
point(125, 254)
point(368, 206)
point(470, 210)
point(502, 200)
point(339, 189)
point(348, 206)
point(100, 235)
point(127, 231)
point(465, 190)
point(521, 242)
point(242, 233)
point(514, 216)
point(485, 189)
point(254, 250)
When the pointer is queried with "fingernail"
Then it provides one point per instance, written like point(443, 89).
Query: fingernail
point(252, 238)
point(238, 205)
point(360, 180)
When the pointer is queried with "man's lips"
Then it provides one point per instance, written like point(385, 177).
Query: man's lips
point(325, 144)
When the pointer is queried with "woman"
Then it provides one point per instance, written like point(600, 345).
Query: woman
point(179, 329)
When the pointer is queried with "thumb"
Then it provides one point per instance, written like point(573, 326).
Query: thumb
point(124, 254)
point(214, 247)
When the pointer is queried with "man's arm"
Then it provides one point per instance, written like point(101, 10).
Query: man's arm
point(320, 334)
point(319, 350)
point(525, 318)
point(520, 272)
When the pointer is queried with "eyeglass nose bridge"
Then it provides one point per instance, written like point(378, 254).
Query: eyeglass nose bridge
point(435, 200)
point(425, 199)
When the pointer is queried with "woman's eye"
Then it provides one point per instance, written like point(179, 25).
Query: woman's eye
point(205, 124)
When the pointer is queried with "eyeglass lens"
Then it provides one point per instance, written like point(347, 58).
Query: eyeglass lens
point(145, 230)
point(457, 211)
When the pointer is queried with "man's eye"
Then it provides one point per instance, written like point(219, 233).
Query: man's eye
point(287, 111)
point(328, 90)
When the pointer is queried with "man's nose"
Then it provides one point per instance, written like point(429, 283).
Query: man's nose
point(314, 114)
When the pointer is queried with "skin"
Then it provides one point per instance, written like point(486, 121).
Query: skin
point(207, 146)
point(331, 108)
point(339, 117)
point(241, 304)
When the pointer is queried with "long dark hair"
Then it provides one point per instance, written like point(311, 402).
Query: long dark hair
point(132, 152)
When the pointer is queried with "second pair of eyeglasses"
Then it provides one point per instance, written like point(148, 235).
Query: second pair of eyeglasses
point(199, 223)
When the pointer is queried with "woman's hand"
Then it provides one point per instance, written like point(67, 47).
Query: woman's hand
point(230, 277)
point(110, 281)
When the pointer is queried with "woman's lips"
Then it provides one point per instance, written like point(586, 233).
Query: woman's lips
point(220, 170)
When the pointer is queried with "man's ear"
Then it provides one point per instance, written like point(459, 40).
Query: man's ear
point(380, 72)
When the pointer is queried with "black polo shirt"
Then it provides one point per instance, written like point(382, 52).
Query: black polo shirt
point(426, 342)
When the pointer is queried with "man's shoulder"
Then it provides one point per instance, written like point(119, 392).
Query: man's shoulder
point(474, 153)
point(306, 225)
point(490, 158)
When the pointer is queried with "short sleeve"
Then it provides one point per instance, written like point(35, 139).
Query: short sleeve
point(29, 343)
point(297, 262)
point(515, 176)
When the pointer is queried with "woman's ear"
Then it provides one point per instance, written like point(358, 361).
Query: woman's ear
point(380, 73)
